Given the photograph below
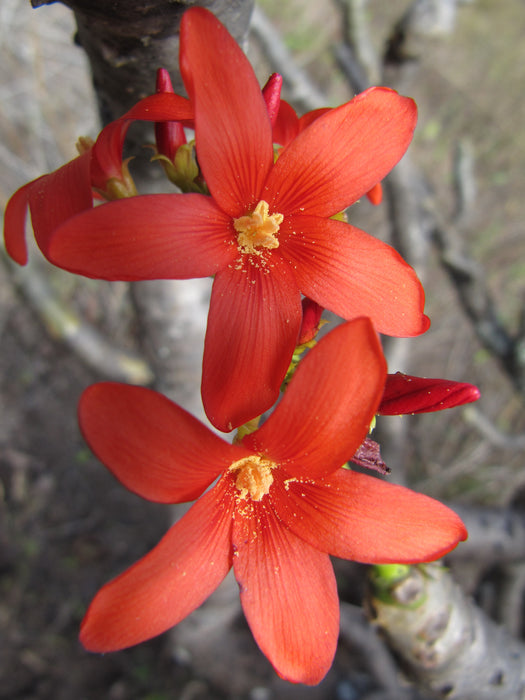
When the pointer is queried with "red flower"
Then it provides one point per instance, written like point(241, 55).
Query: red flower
point(266, 233)
point(280, 507)
point(405, 394)
point(54, 198)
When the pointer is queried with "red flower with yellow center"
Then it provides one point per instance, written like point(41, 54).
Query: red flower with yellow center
point(280, 506)
point(266, 231)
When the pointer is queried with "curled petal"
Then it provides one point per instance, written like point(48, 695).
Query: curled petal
point(167, 584)
point(157, 236)
point(406, 394)
point(353, 274)
point(52, 199)
point(289, 596)
point(342, 154)
point(359, 517)
point(253, 323)
point(15, 222)
point(154, 447)
point(106, 154)
point(326, 410)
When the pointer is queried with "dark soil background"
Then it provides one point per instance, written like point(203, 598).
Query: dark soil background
point(66, 526)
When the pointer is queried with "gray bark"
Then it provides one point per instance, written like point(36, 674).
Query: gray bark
point(444, 641)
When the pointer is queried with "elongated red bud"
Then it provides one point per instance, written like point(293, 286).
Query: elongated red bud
point(272, 95)
point(405, 394)
point(168, 135)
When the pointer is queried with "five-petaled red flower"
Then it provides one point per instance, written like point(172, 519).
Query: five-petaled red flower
point(266, 231)
point(282, 504)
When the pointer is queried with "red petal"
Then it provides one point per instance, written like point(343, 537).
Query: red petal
point(359, 517)
point(375, 195)
point(168, 583)
point(254, 320)
point(286, 126)
point(288, 594)
point(232, 128)
point(162, 106)
point(52, 199)
point(154, 447)
point(15, 222)
point(353, 274)
point(407, 394)
point(342, 154)
point(106, 161)
point(326, 411)
point(158, 236)
point(312, 313)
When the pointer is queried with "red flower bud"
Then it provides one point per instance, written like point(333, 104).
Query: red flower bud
point(168, 135)
point(272, 95)
point(405, 394)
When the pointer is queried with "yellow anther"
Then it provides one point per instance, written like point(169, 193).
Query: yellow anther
point(258, 229)
point(254, 476)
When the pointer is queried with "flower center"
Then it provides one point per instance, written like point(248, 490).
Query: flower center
point(258, 229)
point(254, 476)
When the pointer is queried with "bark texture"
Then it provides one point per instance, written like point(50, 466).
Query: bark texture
point(445, 642)
point(127, 40)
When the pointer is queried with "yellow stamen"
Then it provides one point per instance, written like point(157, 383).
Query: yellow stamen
point(258, 229)
point(254, 476)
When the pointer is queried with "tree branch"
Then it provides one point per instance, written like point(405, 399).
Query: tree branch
point(127, 40)
point(445, 642)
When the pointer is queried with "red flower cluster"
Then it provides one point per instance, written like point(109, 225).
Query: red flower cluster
point(263, 192)
point(266, 232)
point(282, 504)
